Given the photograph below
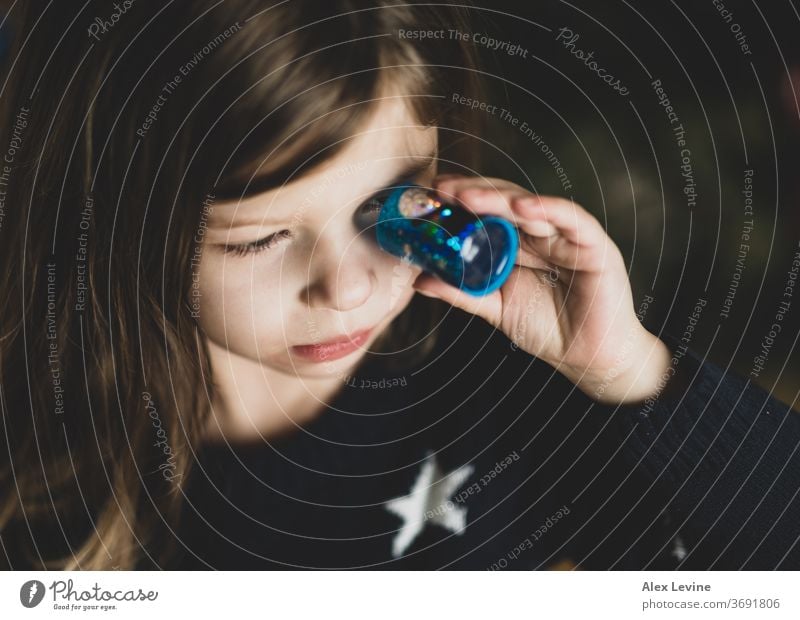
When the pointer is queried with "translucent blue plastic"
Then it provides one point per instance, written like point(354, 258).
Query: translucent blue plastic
point(475, 254)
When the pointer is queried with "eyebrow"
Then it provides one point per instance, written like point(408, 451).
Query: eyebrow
point(416, 166)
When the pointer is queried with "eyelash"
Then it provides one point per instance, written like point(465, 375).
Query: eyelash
point(254, 247)
point(372, 205)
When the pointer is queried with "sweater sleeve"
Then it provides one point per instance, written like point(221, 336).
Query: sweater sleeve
point(727, 457)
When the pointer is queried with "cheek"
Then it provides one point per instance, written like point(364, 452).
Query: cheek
point(251, 309)
point(240, 310)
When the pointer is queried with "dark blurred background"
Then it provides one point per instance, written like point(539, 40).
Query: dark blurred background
point(739, 108)
point(739, 111)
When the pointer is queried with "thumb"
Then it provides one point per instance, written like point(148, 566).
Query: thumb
point(488, 307)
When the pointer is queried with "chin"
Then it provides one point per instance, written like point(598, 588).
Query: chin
point(328, 368)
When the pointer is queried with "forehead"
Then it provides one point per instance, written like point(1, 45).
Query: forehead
point(391, 140)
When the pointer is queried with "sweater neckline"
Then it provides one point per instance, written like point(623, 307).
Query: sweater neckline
point(339, 418)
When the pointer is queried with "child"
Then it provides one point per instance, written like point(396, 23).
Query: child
point(208, 363)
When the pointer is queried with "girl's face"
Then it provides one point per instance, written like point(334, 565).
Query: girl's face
point(287, 271)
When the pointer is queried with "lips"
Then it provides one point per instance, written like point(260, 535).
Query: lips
point(333, 349)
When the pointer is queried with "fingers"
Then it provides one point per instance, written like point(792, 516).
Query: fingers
point(569, 219)
point(503, 307)
point(560, 231)
point(560, 251)
point(472, 191)
point(488, 307)
point(541, 216)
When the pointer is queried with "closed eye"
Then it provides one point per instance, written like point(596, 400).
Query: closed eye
point(253, 247)
point(368, 208)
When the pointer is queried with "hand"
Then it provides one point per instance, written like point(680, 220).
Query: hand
point(568, 299)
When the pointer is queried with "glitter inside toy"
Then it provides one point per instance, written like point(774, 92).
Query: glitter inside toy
point(475, 254)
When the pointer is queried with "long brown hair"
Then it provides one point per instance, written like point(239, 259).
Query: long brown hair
point(118, 126)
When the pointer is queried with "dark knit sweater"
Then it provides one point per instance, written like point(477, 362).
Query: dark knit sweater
point(483, 457)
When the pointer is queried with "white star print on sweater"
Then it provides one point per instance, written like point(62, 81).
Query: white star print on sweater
point(429, 500)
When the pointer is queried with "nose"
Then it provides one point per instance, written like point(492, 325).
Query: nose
point(341, 274)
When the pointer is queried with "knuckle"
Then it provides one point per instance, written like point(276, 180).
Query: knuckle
point(523, 200)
